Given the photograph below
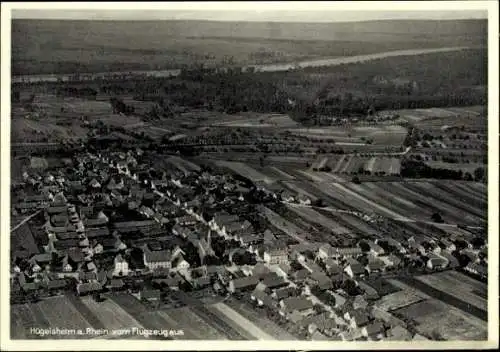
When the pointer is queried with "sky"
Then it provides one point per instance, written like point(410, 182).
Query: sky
point(254, 11)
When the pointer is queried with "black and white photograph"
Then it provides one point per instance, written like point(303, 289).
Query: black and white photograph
point(249, 175)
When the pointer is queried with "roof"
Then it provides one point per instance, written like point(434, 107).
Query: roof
point(375, 328)
point(301, 274)
point(150, 294)
point(369, 290)
point(297, 303)
point(155, 256)
point(91, 233)
point(357, 268)
point(376, 265)
point(273, 282)
point(245, 282)
point(41, 258)
point(285, 292)
point(398, 333)
point(89, 287)
point(143, 223)
point(260, 269)
point(360, 316)
point(56, 284)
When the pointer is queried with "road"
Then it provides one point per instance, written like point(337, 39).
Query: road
point(28, 218)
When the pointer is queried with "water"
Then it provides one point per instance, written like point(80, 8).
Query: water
point(258, 68)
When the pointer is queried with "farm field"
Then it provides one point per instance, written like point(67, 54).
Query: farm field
point(438, 114)
point(192, 324)
point(282, 224)
point(53, 312)
point(311, 215)
point(23, 317)
point(256, 120)
point(456, 166)
point(458, 285)
point(183, 164)
point(399, 299)
point(23, 237)
point(242, 322)
point(245, 171)
point(433, 317)
point(111, 314)
point(260, 320)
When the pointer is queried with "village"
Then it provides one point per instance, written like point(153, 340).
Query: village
point(111, 223)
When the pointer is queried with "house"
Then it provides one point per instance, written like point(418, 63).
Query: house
point(88, 287)
point(339, 299)
point(121, 266)
point(300, 275)
point(436, 262)
point(452, 260)
point(57, 285)
point(375, 266)
point(322, 323)
point(375, 249)
point(260, 269)
point(263, 299)
point(327, 251)
point(41, 259)
point(273, 282)
point(357, 318)
point(301, 305)
point(243, 284)
point(154, 259)
point(276, 254)
point(374, 330)
point(354, 268)
point(332, 268)
point(150, 295)
point(284, 292)
point(201, 282)
point(282, 270)
point(359, 302)
point(477, 269)
point(320, 280)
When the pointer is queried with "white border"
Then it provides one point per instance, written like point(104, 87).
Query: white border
point(493, 139)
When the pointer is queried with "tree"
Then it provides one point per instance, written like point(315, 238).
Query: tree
point(436, 217)
point(356, 180)
point(479, 174)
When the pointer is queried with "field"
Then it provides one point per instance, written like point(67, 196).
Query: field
point(311, 215)
point(352, 164)
point(256, 317)
point(256, 121)
point(169, 44)
point(460, 286)
point(434, 318)
point(54, 312)
point(245, 171)
point(399, 299)
point(284, 225)
point(241, 321)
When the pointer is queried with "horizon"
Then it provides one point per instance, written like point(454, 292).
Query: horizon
point(257, 16)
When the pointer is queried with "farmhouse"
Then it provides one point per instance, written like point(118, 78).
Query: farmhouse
point(354, 269)
point(243, 284)
point(436, 262)
point(296, 304)
point(357, 318)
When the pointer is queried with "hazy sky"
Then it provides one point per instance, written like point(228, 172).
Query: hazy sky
point(275, 12)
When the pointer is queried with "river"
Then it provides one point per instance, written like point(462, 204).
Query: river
point(258, 68)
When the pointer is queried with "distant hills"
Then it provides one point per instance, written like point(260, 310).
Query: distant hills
point(45, 46)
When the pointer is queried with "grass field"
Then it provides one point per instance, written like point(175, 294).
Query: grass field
point(460, 286)
point(111, 314)
point(245, 171)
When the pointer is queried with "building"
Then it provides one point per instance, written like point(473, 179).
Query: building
point(121, 266)
point(154, 259)
point(436, 262)
point(150, 295)
point(243, 284)
point(357, 318)
point(277, 254)
point(354, 269)
point(301, 305)
point(477, 269)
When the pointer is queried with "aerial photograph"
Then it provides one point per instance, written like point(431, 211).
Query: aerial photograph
point(239, 175)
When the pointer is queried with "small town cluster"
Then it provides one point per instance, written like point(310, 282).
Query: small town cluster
point(109, 222)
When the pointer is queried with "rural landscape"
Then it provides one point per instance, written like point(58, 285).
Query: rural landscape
point(204, 180)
